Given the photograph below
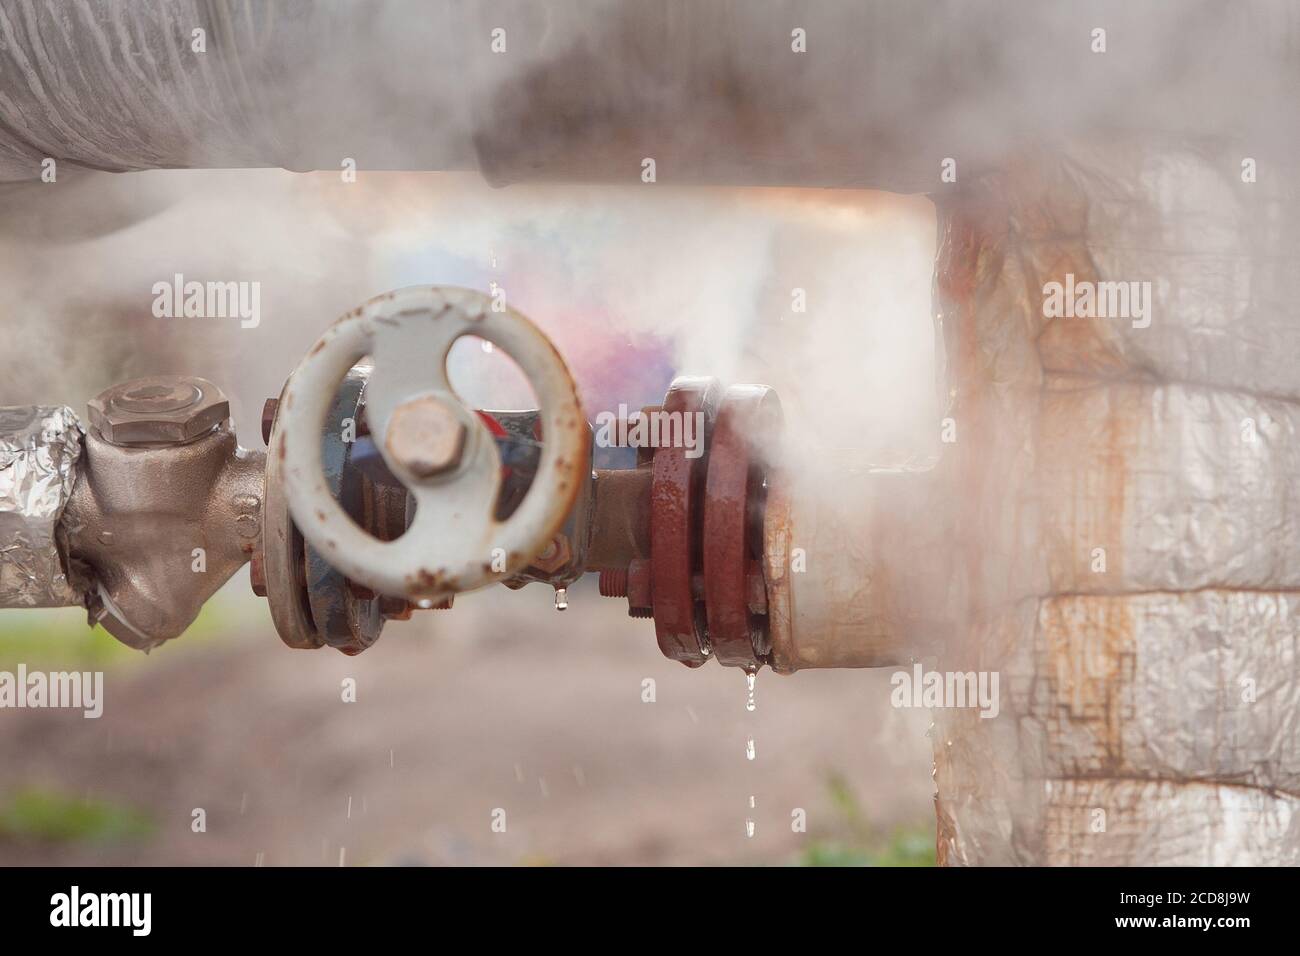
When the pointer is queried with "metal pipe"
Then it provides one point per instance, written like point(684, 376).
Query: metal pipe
point(620, 523)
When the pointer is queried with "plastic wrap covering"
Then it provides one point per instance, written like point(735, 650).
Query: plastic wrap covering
point(39, 449)
point(1166, 487)
point(1127, 493)
point(1157, 823)
point(1181, 695)
point(1213, 248)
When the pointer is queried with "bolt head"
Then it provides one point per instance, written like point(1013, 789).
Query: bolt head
point(160, 409)
point(426, 436)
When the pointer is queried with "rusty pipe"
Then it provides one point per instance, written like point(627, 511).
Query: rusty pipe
point(620, 522)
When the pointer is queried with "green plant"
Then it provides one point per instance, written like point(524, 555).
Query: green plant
point(43, 815)
point(859, 844)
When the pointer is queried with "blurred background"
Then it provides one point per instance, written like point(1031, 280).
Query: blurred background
point(501, 702)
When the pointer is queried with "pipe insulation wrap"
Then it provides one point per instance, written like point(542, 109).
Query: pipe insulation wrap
point(586, 88)
point(40, 446)
point(1150, 700)
point(1174, 483)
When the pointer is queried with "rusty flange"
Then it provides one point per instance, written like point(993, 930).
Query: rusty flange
point(278, 573)
point(748, 420)
point(311, 604)
point(675, 500)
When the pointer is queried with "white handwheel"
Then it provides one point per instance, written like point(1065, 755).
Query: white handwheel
point(436, 446)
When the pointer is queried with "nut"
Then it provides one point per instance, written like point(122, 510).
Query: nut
point(426, 437)
point(161, 409)
point(640, 588)
point(554, 556)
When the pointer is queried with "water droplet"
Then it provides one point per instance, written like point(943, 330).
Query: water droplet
point(424, 604)
point(487, 346)
point(751, 801)
point(561, 599)
point(749, 828)
point(749, 749)
point(749, 696)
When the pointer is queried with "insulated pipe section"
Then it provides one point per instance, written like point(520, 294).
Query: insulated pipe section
point(40, 461)
point(1127, 528)
point(714, 91)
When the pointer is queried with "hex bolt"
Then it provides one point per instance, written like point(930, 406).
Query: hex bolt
point(159, 410)
point(426, 437)
point(613, 582)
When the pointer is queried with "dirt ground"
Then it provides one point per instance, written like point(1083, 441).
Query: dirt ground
point(502, 703)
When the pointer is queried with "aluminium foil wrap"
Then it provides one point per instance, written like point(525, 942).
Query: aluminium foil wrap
point(40, 446)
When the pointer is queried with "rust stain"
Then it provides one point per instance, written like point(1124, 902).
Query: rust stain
point(1090, 654)
point(1089, 648)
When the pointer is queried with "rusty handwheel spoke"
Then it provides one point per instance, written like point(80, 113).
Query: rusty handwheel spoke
point(749, 418)
point(676, 499)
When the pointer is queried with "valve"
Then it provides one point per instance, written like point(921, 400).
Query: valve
point(440, 451)
point(381, 493)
